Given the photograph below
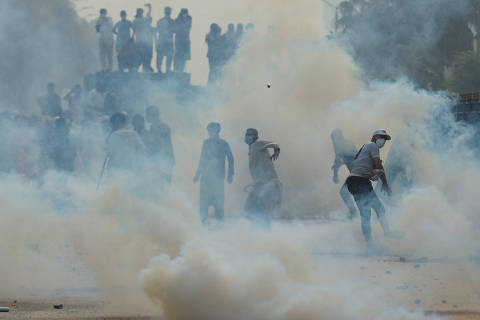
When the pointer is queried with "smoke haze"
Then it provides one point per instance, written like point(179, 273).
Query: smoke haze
point(149, 254)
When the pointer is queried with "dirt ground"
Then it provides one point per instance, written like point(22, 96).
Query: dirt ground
point(439, 287)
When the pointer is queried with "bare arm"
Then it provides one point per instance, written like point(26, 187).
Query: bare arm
point(378, 167)
point(276, 150)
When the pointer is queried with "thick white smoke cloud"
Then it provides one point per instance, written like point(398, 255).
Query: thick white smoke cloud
point(152, 256)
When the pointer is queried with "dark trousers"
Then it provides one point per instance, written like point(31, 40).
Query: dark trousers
point(347, 198)
point(145, 52)
point(366, 199)
point(212, 194)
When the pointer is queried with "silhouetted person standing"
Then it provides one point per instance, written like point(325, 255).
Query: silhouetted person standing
point(239, 35)
point(104, 27)
point(164, 33)
point(183, 25)
point(345, 152)
point(138, 124)
point(159, 145)
point(62, 151)
point(229, 43)
point(123, 29)
point(51, 104)
point(142, 27)
point(215, 50)
point(267, 189)
point(211, 172)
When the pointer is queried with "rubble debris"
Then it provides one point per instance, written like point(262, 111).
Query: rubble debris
point(58, 306)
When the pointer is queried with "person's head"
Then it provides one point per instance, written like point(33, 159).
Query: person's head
point(336, 135)
point(139, 13)
point(118, 121)
point(231, 27)
point(168, 11)
point(183, 13)
point(380, 137)
point(138, 123)
point(152, 113)
point(123, 14)
point(51, 88)
point(240, 27)
point(103, 12)
point(213, 129)
point(251, 136)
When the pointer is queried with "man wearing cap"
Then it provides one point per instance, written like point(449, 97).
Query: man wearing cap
point(368, 166)
point(345, 152)
point(267, 189)
point(211, 172)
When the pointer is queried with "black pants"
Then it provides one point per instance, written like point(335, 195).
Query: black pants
point(366, 199)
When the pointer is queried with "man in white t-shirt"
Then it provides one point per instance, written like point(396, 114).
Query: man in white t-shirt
point(368, 166)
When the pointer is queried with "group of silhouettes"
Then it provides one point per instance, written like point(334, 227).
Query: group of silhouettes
point(135, 42)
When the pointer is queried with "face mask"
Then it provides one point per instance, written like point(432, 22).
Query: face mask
point(248, 140)
point(380, 142)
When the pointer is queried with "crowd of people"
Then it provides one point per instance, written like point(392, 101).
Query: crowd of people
point(135, 42)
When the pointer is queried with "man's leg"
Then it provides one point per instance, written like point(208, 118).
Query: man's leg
point(347, 198)
point(204, 203)
point(219, 202)
point(377, 205)
point(110, 56)
point(159, 61)
point(168, 66)
point(365, 213)
point(103, 53)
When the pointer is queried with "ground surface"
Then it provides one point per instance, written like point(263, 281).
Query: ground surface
point(449, 288)
point(437, 286)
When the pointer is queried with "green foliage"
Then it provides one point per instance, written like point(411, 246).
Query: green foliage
point(465, 73)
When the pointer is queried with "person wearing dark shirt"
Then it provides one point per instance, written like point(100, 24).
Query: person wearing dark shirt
point(62, 151)
point(164, 35)
point(345, 152)
point(183, 25)
point(215, 50)
point(123, 29)
point(211, 172)
point(51, 104)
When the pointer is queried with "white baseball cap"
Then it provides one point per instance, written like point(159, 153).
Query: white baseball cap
point(382, 133)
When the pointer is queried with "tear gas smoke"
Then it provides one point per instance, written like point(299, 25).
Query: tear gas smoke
point(150, 254)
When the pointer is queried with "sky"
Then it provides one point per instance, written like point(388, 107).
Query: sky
point(203, 13)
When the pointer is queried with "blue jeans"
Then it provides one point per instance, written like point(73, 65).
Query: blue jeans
point(366, 199)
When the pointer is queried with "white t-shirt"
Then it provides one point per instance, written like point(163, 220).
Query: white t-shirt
point(363, 164)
